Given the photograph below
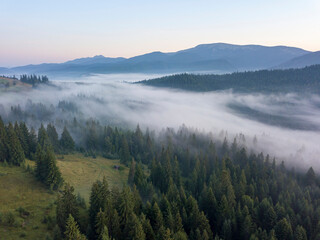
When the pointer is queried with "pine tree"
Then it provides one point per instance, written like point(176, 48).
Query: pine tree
point(133, 229)
point(310, 177)
point(4, 155)
point(132, 172)
point(101, 223)
point(41, 169)
point(300, 233)
point(22, 133)
point(156, 218)
point(126, 206)
point(15, 151)
point(47, 170)
point(53, 137)
point(66, 141)
point(72, 230)
point(54, 177)
point(104, 235)
point(99, 199)
point(66, 205)
point(43, 139)
point(124, 154)
point(283, 229)
point(147, 228)
point(33, 142)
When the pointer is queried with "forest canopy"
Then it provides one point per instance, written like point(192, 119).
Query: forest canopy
point(266, 81)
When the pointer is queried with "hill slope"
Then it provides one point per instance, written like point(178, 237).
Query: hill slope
point(302, 61)
point(206, 57)
point(292, 80)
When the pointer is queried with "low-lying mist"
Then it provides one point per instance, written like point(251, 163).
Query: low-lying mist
point(286, 125)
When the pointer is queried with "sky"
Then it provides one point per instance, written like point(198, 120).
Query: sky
point(38, 31)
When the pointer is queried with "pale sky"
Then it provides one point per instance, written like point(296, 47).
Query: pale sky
point(37, 31)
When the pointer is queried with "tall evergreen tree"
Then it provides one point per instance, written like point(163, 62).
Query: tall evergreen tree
point(4, 154)
point(54, 177)
point(66, 141)
point(53, 137)
point(15, 151)
point(124, 154)
point(66, 205)
point(72, 230)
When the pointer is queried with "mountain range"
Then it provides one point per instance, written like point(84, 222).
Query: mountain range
point(216, 57)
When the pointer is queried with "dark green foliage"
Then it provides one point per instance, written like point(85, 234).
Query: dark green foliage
point(66, 142)
point(193, 187)
point(132, 172)
point(33, 79)
point(291, 80)
point(14, 149)
point(53, 137)
point(72, 230)
point(47, 170)
point(100, 201)
point(300, 233)
point(66, 206)
point(133, 229)
point(310, 177)
point(101, 224)
point(124, 153)
point(4, 154)
point(283, 229)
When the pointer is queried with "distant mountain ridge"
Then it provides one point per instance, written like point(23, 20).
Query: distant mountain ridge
point(216, 57)
point(308, 59)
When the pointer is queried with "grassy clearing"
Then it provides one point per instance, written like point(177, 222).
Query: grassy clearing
point(82, 171)
point(19, 188)
point(12, 85)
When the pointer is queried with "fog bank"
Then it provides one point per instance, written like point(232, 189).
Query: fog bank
point(286, 125)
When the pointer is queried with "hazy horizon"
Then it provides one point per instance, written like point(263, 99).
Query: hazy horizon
point(36, 32)
point(127, 57)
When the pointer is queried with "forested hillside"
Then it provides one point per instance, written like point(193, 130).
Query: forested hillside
point(266, 81)
point(181, 185)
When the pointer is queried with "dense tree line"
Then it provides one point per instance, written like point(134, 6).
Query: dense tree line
point(181, 185)
point(184, 185)
point(18, 142)
point(292, 80)
point(34, 79)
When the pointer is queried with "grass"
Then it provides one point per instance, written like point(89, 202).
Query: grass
point(19, 189)
point(82, 171)
point(14, 85)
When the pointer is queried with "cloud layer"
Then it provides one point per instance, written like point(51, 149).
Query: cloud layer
point(111, 99)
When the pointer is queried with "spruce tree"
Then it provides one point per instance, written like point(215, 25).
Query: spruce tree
point(132, 172)
point(43, 139)
point(22, 133)
point(16, 155)
point(53, 137)
point(33, 142)
point(66, 141)
point(300, 233)
point(53, 177)
point(72, 230)
point(101, 223)
point(99, 199)
point(4, 155)
point(41, 169)
point(66, 205)
point(124, 154)
point(133, 229)
point(104, 235)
